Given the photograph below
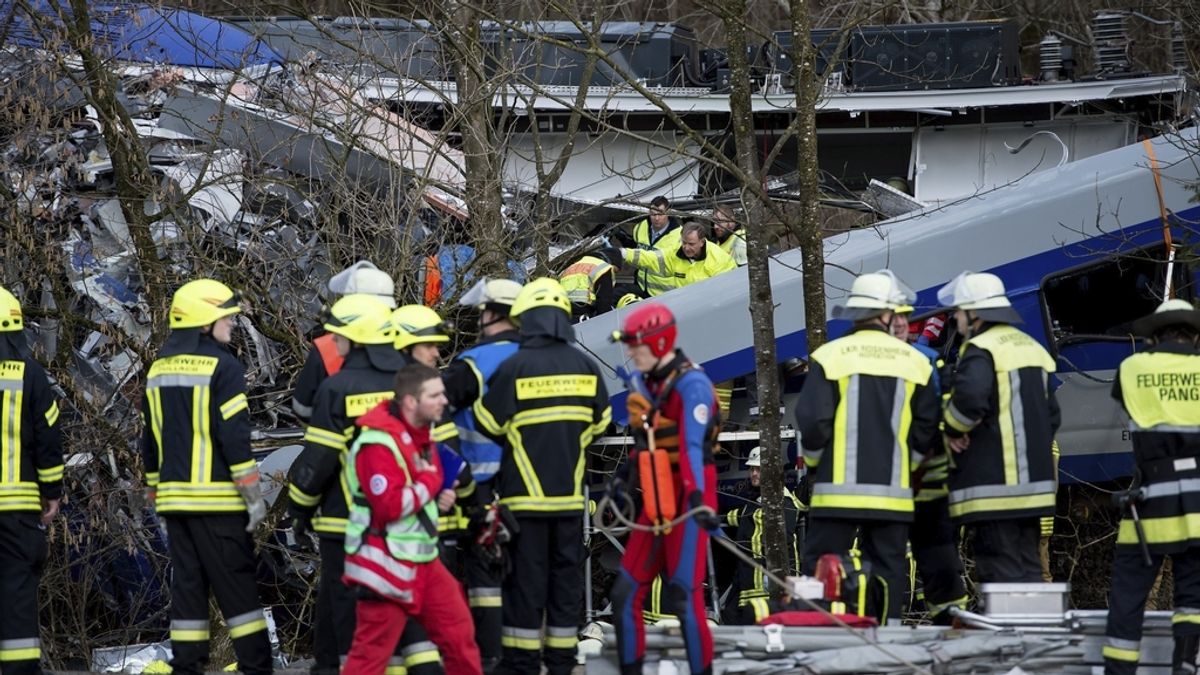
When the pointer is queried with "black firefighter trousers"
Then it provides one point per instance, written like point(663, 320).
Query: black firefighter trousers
point(214, 552)
point(22, 555)
point(938, 562)
point(1132, 580)
point(334, 619)
point(883, 544)
point(547, 562)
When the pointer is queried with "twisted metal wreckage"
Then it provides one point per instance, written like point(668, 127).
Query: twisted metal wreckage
point(255, 146)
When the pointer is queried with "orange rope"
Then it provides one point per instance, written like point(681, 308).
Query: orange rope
point(1162, 209)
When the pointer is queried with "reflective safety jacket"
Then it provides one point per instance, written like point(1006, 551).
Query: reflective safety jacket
point(196, 426)
point(480, 364)
point(748, 519)
point(31, 461)
point(1160, 389)
point(393, 518)
point(866, 414)
point(322, 361)
point(315, 476)
point(547, 401)
point(734, 244)
point(1001, 398)
point(583, 279)
point(674, 270)
point(650, 280)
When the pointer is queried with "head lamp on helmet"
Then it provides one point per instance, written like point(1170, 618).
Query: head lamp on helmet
point(201, 303)
point(650, 324)
point(543, 292)
point(418, 324)
point(362, 319)
point(11, 318)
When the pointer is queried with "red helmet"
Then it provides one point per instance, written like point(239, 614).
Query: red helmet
point(650, 324)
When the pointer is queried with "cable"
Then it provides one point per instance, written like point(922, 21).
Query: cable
point(607, 504)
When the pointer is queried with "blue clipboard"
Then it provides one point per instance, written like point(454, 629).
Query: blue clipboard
point(452, 464)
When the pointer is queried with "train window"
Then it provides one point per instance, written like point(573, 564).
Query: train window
point(1105, 298)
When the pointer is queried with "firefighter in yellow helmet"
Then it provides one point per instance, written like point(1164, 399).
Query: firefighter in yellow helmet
point(363, 334)
point(205, 484)
point(361, 278)
point(30, 489)
point(866, 415)
point(589, 283)
point(1158, 389)
point(546, 403)
point(420, 332)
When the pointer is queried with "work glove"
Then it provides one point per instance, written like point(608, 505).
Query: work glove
point(256, 507)
point(706, 519)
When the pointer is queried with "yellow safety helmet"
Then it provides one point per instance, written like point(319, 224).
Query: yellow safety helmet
point(362, 319)
point(627, 300)
point(417, 324)
point(11, 318)
point(543, 292)
point(201, 302)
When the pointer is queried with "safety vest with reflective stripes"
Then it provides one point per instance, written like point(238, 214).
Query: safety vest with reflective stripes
point(1160, 390)
point(481, 452)
point(408, 538)
point(864, 472)
point(655, 283)
point(316, 484)
point(748, 519)
point(579, 280)
point(196, 444)
point(31, 464)
point(1008, 470)
point(675, 270)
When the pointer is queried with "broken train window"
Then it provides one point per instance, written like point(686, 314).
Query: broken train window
point(1104, 298)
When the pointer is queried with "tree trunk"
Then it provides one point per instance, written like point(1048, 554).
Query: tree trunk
point(480, 142)
point(808, 229)
point(762, 305)
point(131, 168)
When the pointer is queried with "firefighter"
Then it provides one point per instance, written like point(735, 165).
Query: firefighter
point(675, 400)
point(420, 332)
point(657, 232)
point(322, 361)
point(693, 259)
point(548, 402)
point(1158, 388)
point(203, 480)
point(466, 379)
point(363, 335)
point(589, 283)
point(30, 489)
point(394, 477)
point(866, 412)
point(934, 549)
point(999, 420)
point(728, 234)
point(753, 595)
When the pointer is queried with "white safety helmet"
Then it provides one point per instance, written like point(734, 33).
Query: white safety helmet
point(981, 293)
point(755, 458)
point(491, 292)
point(873, 294)
point(363, 277)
